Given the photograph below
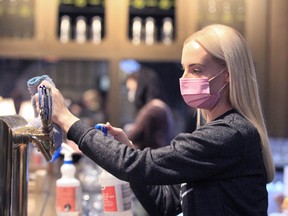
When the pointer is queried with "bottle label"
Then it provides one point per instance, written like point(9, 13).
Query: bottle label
point(116, 198)
point(109, 199)
point(66, 199)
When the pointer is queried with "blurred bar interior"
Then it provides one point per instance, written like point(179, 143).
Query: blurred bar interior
point(81, 43)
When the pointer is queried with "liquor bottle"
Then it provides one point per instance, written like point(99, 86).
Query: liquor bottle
point(136, 30)
point(138, 4)
point(227, 15)
point(11, 19)
point(80, 3)
point(66, 2)
point(65, 29)
point(152, 3)
point(94, 2)
point(96, 30)
point(3, 22)
point(167, 31)
point(25, 23)
point(166, 4)
point(81, 30)
point(150, 31)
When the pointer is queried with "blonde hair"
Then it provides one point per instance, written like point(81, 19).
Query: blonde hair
point(227, 45)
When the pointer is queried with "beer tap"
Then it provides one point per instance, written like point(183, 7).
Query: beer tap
point(41, 137)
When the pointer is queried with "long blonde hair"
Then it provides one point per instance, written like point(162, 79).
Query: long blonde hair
point(228, 45)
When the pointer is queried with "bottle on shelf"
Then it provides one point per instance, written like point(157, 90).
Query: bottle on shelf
point(81, 29)
point(80, 3)
point(65, 29)
point(26, 18)
point(66, 2)
point(166, 4)
point(96, 30)
point(152, 3)
point(2, 18)
point(138, 4)
point(11, 19)
point(167, 31)
point(227, 13)
point(136, 30)
point(150, 31)
point(94, 2)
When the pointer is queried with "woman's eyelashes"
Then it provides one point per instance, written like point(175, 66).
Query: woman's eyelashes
point(196, 70)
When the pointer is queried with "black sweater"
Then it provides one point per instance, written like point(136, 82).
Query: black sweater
point(221, 162)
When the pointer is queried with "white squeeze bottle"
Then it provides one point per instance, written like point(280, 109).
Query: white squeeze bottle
point(116, 194)
point(68, 188)
point(284, 205)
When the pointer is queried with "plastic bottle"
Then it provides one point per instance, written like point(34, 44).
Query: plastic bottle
point(68, 188)
point(284, 204)
point(116, 194)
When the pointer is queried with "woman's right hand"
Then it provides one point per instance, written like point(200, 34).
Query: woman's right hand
point(60, 113)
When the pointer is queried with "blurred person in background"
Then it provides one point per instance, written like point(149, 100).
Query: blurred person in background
point(153, 125)
point(92, 111)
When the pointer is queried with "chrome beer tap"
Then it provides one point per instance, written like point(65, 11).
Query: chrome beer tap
point(41, 137)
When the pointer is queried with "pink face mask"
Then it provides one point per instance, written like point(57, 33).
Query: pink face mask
point(196, 92)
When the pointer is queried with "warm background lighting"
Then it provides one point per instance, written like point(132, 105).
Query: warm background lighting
point(7, 106)
point(26, 110)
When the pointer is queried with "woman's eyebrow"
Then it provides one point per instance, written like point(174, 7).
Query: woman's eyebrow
point(196, 64)
point(193, 64)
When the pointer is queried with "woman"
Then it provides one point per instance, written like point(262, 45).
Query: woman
point(224, 165)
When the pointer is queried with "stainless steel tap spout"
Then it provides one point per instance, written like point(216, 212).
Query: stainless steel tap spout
point(42, 141)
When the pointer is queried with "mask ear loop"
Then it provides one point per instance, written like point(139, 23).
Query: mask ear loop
point(217, 74)
point(198, 121)
point(223, 87)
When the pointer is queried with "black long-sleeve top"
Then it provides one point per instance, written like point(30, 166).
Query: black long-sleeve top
point(221, 164)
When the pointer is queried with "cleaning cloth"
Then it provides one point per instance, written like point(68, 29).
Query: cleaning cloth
point(33, 84)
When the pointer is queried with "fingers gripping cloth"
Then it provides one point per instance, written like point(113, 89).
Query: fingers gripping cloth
point(33, 84)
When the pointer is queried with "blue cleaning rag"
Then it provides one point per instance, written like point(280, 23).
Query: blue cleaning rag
point(33, 84)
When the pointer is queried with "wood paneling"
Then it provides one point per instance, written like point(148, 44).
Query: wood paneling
point(277, 114)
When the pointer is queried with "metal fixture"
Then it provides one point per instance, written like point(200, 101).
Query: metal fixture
point(14, 138)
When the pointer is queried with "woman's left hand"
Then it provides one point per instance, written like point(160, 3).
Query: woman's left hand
point(118, 134)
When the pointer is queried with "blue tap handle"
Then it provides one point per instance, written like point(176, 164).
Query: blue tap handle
point(45, 101)
point(40, 94)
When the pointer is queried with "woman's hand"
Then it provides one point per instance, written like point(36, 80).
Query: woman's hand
point(118, 134)
point(60, 113)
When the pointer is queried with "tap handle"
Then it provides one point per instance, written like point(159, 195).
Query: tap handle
point(45, 106)
point(46, 144)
